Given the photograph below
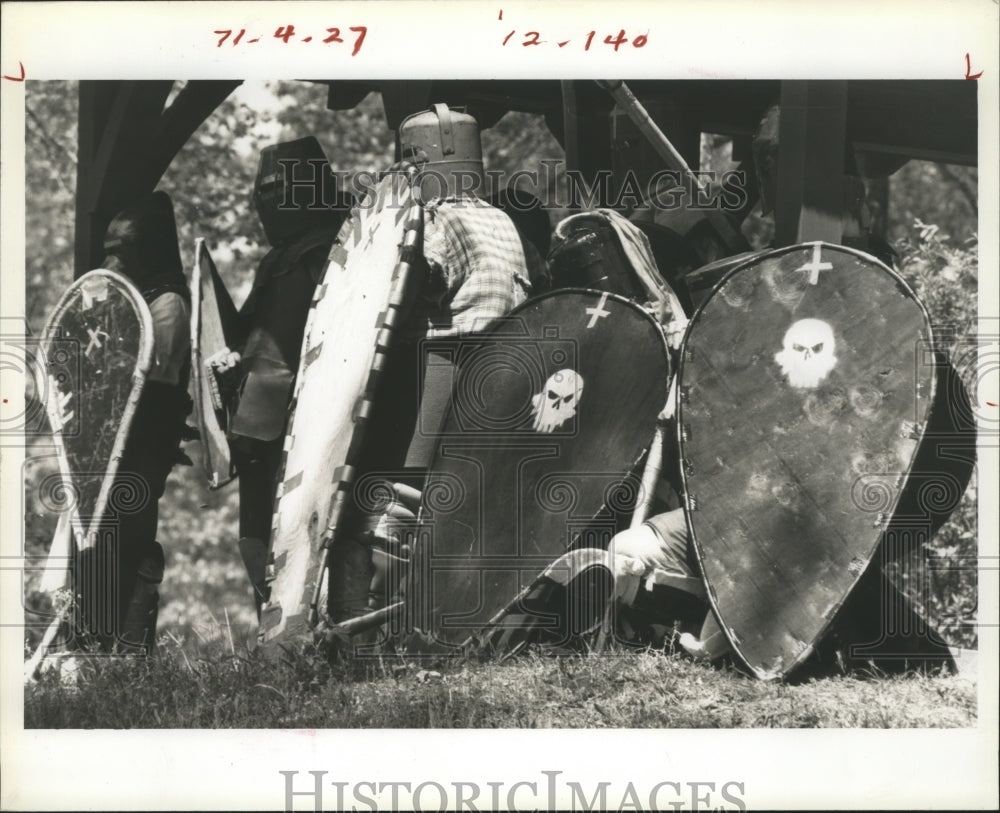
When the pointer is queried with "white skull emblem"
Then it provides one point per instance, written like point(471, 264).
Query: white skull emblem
point(557, 401)
point(807, 353)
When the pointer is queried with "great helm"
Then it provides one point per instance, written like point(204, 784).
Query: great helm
point(444, 144)
point(295, 189)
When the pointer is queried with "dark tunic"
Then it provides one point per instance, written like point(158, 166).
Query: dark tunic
point(273, 319)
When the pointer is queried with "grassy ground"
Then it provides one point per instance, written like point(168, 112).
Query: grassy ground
point(220, 688)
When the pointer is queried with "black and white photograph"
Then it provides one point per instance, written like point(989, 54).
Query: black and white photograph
point(383, 382)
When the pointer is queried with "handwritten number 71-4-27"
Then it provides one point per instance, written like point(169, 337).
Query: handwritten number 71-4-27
point(287, 33)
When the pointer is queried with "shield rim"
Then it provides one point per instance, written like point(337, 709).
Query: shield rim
point(85, 538)
point(513, 317)
point(205, 412)
point(764, 674)
point(411, 226)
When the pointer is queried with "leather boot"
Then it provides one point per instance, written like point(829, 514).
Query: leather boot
point(138, 634)
point(654, 613)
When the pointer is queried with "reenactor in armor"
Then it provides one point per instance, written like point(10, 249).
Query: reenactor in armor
point(603, 250)
point(301, 210)
point(479, 265)
point(141, 243)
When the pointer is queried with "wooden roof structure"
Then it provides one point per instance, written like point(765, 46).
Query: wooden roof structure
point(129, 135)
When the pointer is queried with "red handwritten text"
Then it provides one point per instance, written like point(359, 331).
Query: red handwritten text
point(527, 39)
point(287, 33)
point(16, 78)
point(968, 69)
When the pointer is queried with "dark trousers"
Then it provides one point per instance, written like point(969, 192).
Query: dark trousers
point(257, 463)
point(106, 572)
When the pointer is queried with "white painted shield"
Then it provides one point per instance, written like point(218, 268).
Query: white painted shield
point(348, 330)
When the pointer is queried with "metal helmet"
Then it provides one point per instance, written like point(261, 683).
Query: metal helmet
point(444, 144)
point(295, 190)
point(141, 240)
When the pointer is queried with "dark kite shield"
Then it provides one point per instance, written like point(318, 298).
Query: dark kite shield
point(213, 319)
point(97, 347)
point(804, 392)
point(356, 311)
point(551, 409)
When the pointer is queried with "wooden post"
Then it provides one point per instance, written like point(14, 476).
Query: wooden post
point(95, 106)
point(571, 136)
point(127, 139)
point(811, 162)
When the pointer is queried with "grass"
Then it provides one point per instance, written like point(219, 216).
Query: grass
point(221, 688)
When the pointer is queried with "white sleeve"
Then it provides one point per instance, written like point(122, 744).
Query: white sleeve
point(171, 338)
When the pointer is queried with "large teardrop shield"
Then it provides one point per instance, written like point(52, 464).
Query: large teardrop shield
point(356, 311)
point(97, 347)
point(804, 392)
point(213, 319)
point(552, 409)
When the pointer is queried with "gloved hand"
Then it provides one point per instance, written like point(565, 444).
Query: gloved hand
point(223, 361)
point(670, 408)
point(674, 331)
point(673, 323)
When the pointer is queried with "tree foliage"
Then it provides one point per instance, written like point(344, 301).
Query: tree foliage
point(50, 188)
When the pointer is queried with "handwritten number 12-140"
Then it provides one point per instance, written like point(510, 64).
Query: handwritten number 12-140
point(615, 41)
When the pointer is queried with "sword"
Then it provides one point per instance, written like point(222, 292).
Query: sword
point(732, 238)
point(650, 474)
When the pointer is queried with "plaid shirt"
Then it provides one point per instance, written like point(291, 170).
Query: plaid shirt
point(479, 267)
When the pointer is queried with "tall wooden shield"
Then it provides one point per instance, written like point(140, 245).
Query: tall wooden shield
point(213, 319)
point(355, 312)
point(97, 347)
point(804, 392)
point(552, 408)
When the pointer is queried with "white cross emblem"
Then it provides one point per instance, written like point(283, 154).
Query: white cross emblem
point(599, 312)
point(95, 340)
point(815, 266)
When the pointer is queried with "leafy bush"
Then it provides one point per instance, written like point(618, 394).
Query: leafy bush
point(944, 272)
point(942, 579)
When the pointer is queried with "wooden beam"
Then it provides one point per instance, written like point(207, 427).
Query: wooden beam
point(571, 126)
point(811, 135)
point(927, 120)
point(118, 119)
point(401, 99)
point(127, 142)
point(119, 163)
point(195, 103)
point(95, 100)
